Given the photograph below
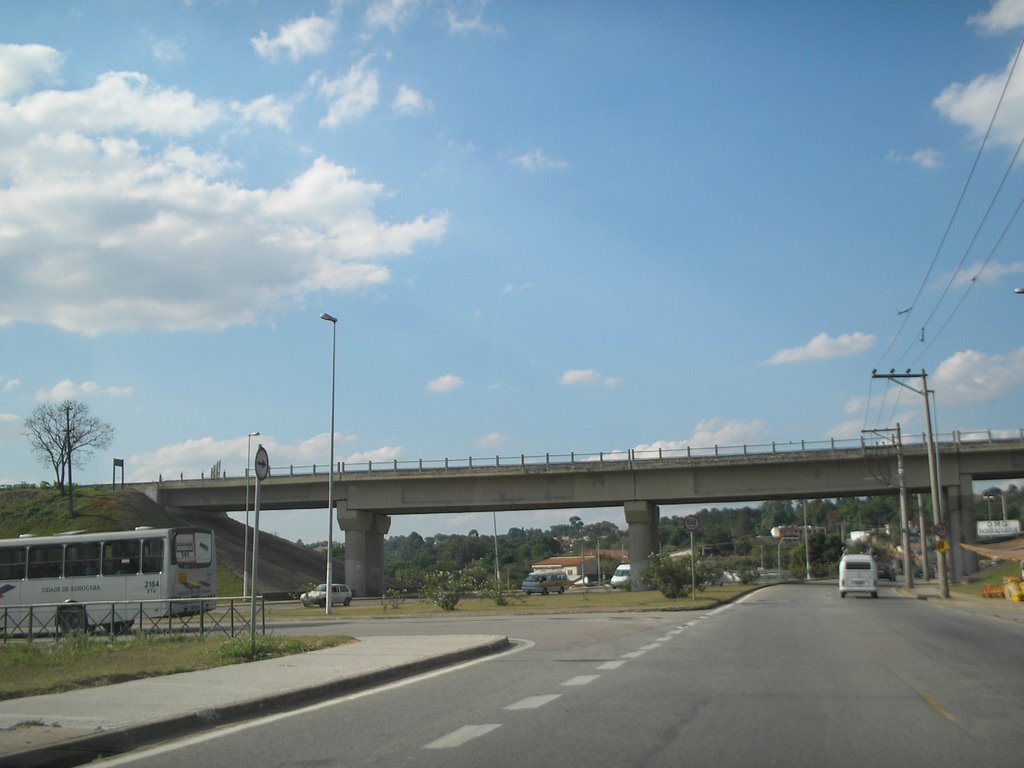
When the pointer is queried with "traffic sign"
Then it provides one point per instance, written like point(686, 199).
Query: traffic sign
point(940, 529)
point(691, 523)
point(942, 545)
point(262, 463)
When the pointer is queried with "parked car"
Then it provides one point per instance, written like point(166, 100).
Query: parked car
point(886, 570)
point(340, 593)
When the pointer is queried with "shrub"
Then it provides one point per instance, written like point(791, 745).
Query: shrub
point(445, 588)
point(669, 575)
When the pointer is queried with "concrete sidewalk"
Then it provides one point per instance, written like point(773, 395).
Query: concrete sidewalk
point(72, 728)
point(1003, 610)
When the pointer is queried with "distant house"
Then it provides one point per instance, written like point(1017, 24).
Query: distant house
point(574, 565)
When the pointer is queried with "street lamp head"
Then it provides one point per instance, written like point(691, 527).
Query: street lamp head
point(1018, 290)
point(328, 318)
point(253, 434)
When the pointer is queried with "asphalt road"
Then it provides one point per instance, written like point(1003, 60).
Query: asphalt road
point(790, 676)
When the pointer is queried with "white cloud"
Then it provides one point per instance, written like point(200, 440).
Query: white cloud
point(71, 390)
point(536, 160)
point(587, 376)
point(824, 347)
point(472, 22)
point(9, 383)
point(709, 433)
point(119, 101)
point(266, 110)
point(190, 458)
point(492, 440)
point(350, 96)
point(972, 106)
point(305, 37)
point(447, 383)
point(972, 376)
point(409, 101)
point(22, 66)
point(926, 158)
point(168, 51)
point(154, 237)
point(1003, 16)
point(390, 13)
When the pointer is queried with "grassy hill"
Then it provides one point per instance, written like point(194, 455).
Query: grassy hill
point(284, 567)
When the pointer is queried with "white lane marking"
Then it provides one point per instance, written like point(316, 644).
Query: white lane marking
point(534, 702)
point(460, 736)
point(581, 680)
point(611, 664)
point(649, 646)
point(139, 757)
point(633, 654)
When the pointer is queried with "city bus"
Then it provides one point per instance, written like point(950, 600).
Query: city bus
point(78, 581)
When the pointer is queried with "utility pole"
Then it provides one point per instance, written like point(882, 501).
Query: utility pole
point(933, 461)
point(908, 560)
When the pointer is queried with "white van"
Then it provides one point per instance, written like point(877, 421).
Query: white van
point(621, 576)
point(858, 573)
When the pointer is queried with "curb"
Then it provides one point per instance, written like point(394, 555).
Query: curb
point(110, 743)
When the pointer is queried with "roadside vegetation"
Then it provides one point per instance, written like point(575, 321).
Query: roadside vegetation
point(81, 661)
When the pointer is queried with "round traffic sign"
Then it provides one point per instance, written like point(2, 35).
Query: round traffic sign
point(691, 523)
point(940, 529)
point(262, 463)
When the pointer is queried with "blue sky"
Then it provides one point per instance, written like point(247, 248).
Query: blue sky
point(543, 226)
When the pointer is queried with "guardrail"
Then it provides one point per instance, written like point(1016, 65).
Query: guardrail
point(230, 616)
point(654, 453)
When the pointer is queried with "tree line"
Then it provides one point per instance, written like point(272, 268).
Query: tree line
point(739, 537)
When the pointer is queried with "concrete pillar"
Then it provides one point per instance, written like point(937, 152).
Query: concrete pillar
point(642, 519)
point(364, 549)
point(963, 527)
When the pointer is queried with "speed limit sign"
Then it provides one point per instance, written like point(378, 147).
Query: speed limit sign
point(691, 523)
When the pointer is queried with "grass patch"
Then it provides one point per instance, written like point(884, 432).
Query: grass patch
point(993, 575)
point(588, 601)
point(28, 669)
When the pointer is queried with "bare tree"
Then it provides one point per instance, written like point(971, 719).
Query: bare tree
point(64, 435)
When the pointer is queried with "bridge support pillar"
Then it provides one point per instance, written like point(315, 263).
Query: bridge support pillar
point(642, 518)
point(962, 526)
point(364, 549)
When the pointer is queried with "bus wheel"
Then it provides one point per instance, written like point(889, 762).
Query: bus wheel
point(71, 619)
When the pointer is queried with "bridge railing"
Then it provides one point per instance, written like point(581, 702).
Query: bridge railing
point(659, 452)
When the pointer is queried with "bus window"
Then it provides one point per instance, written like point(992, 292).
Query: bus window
point(152, 555)
point(121, 557)
point(12, 563)
point(45, 561)
point(82, 559)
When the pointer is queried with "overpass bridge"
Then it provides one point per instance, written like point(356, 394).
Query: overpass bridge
point(368, 495)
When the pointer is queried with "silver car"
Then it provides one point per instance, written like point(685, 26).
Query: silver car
point(340, 593)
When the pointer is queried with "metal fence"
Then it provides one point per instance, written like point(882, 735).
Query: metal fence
point(230, 616)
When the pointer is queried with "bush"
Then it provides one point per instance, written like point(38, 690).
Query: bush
point(445, 588)
point(494, 590)
point(669, 575)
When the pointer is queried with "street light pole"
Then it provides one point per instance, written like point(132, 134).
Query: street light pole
point(807, 543)
point(330, 481)
point(245, 546)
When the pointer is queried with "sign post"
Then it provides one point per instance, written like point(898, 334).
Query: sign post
point(692, 524)
point(262, 465)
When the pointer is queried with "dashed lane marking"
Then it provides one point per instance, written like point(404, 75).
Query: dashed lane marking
point(611, 664)
point(581, 680)
point(534, 702)
point(460, 736)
